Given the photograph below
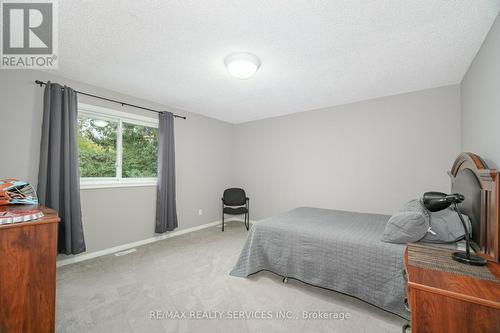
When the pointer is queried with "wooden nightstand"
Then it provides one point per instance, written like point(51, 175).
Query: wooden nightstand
point(441, 301)
point(28, 253)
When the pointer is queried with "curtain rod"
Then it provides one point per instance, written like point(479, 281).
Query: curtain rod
point(41, 83)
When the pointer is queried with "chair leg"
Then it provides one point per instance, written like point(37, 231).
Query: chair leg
point(247, 221)
point(222, 221)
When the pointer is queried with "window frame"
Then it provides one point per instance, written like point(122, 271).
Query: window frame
point(120, 117)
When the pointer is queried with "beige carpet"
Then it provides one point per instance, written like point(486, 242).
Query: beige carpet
point(189, 276)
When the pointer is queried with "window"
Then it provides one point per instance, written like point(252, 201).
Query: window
point(116, 148)
point(97, 147)
point(139, 150)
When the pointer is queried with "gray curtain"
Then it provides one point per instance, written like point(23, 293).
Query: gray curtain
point(166, 211)
point(58, 174)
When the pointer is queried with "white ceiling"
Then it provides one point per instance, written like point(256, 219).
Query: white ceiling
point(314, 53)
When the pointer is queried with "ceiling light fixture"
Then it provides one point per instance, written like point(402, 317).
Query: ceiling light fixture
point(242, 65)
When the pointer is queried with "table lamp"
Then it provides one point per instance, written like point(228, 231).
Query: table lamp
point(436, 201)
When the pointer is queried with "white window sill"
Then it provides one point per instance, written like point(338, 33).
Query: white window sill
point(90, 185)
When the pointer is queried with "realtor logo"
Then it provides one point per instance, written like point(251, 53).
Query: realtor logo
point(29, 34)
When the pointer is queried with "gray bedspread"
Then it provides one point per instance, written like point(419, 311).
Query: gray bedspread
point(338, 250)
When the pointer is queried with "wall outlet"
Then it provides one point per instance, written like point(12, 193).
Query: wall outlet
point(200, 211)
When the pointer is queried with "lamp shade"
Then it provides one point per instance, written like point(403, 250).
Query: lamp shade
point(436, 201)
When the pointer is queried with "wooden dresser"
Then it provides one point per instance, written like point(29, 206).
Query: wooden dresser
point(440, 301)
point(28, 253)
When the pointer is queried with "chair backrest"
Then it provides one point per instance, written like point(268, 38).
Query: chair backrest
point(234, 197)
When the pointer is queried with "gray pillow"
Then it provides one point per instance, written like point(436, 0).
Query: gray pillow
point(416, 206)
point(445, 227)
point(408, 225)
point(405, 227)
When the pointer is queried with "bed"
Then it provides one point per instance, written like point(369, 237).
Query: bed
point(338, 250)
point(343, 251)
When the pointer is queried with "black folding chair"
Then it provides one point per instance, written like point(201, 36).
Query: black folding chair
point(235, 202)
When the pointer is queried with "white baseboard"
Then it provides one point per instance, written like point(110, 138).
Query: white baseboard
point(236, 220)
point(119, 248)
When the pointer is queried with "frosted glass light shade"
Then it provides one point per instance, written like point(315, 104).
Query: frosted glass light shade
point(242, 65)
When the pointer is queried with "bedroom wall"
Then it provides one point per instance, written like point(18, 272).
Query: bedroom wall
point(481, 100)
point(116, 216)
point(345, 157)
point(370, 156)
